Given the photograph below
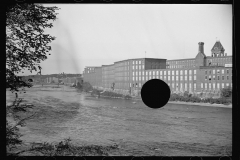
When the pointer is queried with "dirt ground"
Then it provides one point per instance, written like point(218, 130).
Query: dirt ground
point(173, 130)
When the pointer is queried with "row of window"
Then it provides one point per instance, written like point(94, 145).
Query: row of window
point(168, 78)
point(189, 85)
point(220, 60)
point(181, 66)
point(214, 85)
point(217, 71)
point(136, 62)
point(218, 78)
point(181, 62)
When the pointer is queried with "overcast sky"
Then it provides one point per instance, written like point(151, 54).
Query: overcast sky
point(100, 34)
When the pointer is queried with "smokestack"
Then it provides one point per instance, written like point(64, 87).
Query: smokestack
point(200, 47)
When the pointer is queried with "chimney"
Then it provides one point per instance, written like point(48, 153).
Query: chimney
point(200, 47)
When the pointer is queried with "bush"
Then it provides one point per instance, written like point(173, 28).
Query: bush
point(195, 99)
point(87, 87)
point(226, 92)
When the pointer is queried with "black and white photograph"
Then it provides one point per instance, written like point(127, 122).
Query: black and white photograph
point(119, 79)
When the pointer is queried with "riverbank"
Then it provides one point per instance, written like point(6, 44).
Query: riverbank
point(177, 102)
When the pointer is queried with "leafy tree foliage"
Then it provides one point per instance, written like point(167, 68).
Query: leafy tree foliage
point(26, 43)
point(26, 47)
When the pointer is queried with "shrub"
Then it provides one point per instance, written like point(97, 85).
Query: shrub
point(185, 94)
point(226, 92)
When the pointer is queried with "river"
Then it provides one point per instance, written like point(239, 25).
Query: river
point(173, 130)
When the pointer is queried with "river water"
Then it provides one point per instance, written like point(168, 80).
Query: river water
point(173, 130)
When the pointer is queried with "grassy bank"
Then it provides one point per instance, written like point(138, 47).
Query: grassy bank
point(194, 99)
point(62, 148)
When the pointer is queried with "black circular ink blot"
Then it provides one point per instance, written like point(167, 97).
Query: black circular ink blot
point(155, 93)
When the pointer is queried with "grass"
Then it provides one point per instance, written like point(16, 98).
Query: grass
point(64, 148)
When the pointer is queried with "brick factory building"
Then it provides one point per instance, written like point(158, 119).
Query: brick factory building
point(200, 74)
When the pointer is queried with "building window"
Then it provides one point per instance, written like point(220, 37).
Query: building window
point(139, 73)
point(213, 85)
point(143, 78)
point(195, 86)
point(177, 72)
point(146, 73)
point(143, 73)
point(218, 78)
point(164, 77)
point(227, 84)
point(202, 85)
point(222, 77)
point(143, 66)
point(181, 72)
point(190, 72)
point(227, 71)
point(176, 78)
point(133, 67)
point(185, 72)
point(213, 71)
point(133, 79)
point(164, 72)
point(210, 72)
point(205, 85)
point(172, 72)
point(227, 77)
point(222, 71)
point(195, 71)
point(185, 86)
point(133, 73)
point(222, 85)
point(169, 78)
point(157, 72)
point(139, 62)
point(213, 77)
point(154, 73)
point(150, 73)
point(190, 77)
point(205, 78)
point(133, 62)
point(140, 67)
point(218, 85)
point(169, 72)
point(181, 78)
point(194, 77)
point(209, 85)
point(139, 78)
point(206, 72)
point(218, 71)
point(160, 73)
point(172, 78)
point(185, 78)
point(209, 78)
